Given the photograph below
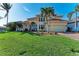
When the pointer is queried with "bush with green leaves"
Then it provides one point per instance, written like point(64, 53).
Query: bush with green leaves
point(11, 26)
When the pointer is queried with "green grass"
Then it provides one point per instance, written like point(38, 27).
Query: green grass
point(29, 44)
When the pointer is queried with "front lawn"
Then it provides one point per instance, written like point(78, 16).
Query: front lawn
point(19, 43)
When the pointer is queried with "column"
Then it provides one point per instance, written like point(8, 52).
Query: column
point(37, 27)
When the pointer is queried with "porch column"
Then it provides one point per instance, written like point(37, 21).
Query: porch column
point(37, 27)
point(28, 27)
point(47, 27)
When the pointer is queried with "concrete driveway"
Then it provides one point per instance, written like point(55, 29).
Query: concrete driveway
point(71, 35)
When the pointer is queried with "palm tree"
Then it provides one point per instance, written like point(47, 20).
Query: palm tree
point(50, 11)
point(6, 7)
point(76, 10)
point(43, 16)
point(46, 12)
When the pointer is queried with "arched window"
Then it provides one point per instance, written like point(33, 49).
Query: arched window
point(33, 26)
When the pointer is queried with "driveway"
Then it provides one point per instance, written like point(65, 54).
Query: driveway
point(71, 35)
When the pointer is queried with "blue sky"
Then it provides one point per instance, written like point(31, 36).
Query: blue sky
point(22, 11)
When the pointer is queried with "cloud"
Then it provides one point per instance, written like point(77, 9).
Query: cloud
point(26, 9)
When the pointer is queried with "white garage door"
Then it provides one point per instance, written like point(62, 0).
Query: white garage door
point(57, 28)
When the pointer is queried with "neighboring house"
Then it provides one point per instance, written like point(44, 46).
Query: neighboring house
point(51, 24)
point(71, 25)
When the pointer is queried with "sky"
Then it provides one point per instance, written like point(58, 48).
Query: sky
point(22, 11)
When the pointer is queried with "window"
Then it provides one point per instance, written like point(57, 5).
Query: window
point(42, 19)
point(41, 27)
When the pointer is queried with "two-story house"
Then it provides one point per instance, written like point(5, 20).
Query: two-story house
point(51, 24)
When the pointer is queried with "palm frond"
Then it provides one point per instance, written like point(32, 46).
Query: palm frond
point(6, 6)
point(77, 8)
point(43, 11)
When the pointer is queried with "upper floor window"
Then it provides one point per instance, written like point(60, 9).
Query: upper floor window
point(42, 19)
